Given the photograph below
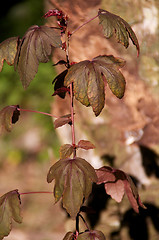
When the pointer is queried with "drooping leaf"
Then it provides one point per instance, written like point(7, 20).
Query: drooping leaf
point(65, 151)
point(73, 182)
point(89, 80)
point(91, 235)
point(9, 209)
point(117, 183)
point(69, 236)
point(115, 25)
point(85, 144)
point(8, 116)
point(59, 87)
point(36, 46)
point(8, 50)
point(59, 122)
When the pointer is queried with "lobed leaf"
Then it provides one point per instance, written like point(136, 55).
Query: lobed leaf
point(36, 46)
point(85, 145)
point(117, 183)
point(65, 151)
point(9, 209)
point(73, 182)
point(8, 116)
point(89, 80)
point(8, 50)
point(115, 25)
point(91, 235)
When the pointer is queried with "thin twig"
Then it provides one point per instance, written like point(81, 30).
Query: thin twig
point(84, 24)
point(25, 193)
point(44, 113)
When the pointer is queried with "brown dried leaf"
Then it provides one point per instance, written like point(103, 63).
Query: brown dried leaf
point(89, 80)
point(115, 25)
point(69, 236)
point(85, 145)
point(8, 50)
point(8, 116)
point(73, 182)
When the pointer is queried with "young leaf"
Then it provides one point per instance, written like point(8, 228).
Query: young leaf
point(89, 80)
point(73, 182)
point(59, 122)
point(69, 236)
point(8, 50)
point(8, 116)
point(9, 209)
point(91, 235)
point(65, 151)
point(59, 85)
point(36, 46)
point(117, 183)
point(85, 144)
point(115, 25)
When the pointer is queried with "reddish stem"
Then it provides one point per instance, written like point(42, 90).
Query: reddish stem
point(84, 24)
point(28, 110)
point(72, 118)
point(34, 192)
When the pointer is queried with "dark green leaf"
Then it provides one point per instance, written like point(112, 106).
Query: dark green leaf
point(91, 235)
point(115, 25)
point(9, 209)
point(8, 50)
point(8, 116)
point(89, 80)
point(73, 182)
point(36, 46)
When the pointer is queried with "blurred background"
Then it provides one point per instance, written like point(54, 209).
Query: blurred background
point(126, 134)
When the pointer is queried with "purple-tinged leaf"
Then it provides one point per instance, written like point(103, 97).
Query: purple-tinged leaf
point(36, 46)
point(91, 235)
point(59, 87)
point(69, 236)
point(65, 151)
point(84, 144)
point(90, 77)
point(73, 182)
point(115, 25)
point(9, 209)
point(8, 50)
point(117, 183)
point(8, 116)
point(59, 122)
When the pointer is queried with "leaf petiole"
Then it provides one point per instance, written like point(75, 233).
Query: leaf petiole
point(25, 193)
point(44, 113)
point(84, 24)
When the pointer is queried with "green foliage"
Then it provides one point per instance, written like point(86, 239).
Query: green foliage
point(9, 209)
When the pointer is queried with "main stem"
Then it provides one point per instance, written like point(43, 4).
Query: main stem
point(72, 118)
